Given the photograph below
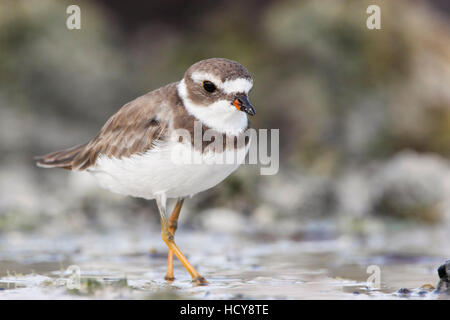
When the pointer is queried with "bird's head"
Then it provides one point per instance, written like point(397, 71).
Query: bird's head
point(215, 91)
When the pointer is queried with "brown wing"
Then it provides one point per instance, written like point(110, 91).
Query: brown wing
point(133, 129)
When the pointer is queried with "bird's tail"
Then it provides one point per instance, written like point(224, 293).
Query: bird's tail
point(60, 159)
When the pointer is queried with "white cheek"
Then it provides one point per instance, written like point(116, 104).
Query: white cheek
point(221, 115)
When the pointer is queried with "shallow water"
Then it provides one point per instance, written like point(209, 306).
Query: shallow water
point(131, 265)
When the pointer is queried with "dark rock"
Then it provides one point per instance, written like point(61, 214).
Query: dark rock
point(444, 278)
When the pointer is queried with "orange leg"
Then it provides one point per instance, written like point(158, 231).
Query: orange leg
point(168, 238)
point(172, 226)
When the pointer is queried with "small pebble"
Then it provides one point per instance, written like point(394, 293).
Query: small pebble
point(422, 293)
point(404, 291)
point(427, 287)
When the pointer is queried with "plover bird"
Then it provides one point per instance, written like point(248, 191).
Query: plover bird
point(134, 153)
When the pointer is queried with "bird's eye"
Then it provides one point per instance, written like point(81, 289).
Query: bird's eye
point(209, 86)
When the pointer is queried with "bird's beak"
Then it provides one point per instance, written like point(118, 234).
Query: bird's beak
point(242, 104)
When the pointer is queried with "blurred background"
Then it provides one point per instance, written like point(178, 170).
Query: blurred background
point(364, 116)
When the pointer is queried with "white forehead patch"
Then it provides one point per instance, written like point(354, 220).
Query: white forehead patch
point(228, 86)
point(236, 85)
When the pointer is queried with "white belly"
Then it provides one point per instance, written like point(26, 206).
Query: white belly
point(159, 171)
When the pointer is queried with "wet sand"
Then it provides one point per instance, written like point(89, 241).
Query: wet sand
point(124, 264)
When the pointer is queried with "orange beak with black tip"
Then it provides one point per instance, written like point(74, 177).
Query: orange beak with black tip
point(242, 104)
